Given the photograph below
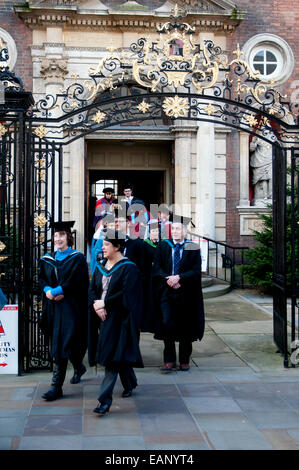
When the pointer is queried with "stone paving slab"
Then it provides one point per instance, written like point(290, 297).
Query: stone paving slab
point(283, 439)
point(230, 421)
point(113, 443)
point(51, 443)
point(228, 359)
point(238, 327)
point(239, 440)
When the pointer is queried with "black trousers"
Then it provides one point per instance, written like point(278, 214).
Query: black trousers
point(127, 377)
point(185, 350)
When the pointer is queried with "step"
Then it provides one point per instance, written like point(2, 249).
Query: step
point(206, 281)
point(215, 290)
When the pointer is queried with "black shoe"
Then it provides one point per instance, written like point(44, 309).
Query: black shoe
point(127, 393)
point(101, 409)
point(78, 374)
point(53, 394)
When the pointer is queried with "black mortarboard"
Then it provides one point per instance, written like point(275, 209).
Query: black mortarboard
point(116, 238)
point(153, 223)
point(181, 219)
point(108, 190)
point(62, 225)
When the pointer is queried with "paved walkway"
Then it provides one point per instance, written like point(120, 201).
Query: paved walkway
point(236, 396)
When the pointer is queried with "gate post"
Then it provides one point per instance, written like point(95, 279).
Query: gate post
point(294, 248)
point(279, 251)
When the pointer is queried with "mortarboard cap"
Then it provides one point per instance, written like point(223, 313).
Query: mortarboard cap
point(108, 190)
point(153, 223)
point(114, 237)
point(62, 226)
point(181, 219)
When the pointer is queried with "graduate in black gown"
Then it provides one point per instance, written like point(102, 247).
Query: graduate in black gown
point(177, 271)
point(133, 247)
point(64, 280)
point(150, 245)
point(115, 309)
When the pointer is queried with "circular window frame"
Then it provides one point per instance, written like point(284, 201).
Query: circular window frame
point(279, 47)
point(11, 46)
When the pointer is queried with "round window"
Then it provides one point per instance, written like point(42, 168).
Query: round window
point(265, 62)
point(10, 44)
point(271, 56)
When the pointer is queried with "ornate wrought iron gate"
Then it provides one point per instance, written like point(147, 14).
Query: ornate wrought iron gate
point(30, 193)
point(294, 200)
point(279, 255)
point(148, 82)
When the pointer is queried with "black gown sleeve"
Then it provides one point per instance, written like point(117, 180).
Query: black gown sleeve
point(77, 279)
point(43, 280)
point(94, 321)
point(158, 271)
point(132, 293)
point(195, 272)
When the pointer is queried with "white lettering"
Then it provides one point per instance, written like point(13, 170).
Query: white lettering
point(116, 460)
point(170, 459)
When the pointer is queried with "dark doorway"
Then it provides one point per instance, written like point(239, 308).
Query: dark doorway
point(148, 186)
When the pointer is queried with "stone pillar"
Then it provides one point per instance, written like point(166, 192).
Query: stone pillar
point(77, 188)
point(183, 139)
point(53, 69)
point(205, 187)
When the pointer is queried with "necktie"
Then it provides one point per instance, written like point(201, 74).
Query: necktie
point(176, 259)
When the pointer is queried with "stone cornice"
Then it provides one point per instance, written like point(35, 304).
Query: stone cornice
point(135, 134)
point(70, 18)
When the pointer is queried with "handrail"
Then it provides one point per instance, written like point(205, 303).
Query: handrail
point(231, 257)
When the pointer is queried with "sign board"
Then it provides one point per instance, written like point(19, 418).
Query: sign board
point(9, 339)
point(204, 254)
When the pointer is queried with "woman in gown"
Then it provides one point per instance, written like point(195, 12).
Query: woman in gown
point(64, 280)
point(115, 308)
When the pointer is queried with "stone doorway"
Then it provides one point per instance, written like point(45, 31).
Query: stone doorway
point(144, 164)
point(149, 185)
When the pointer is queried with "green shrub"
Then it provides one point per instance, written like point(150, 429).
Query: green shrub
point(259, 272)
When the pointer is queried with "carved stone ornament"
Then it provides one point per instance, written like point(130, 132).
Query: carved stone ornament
point(53, 69)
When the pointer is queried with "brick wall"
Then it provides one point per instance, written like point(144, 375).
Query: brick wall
point(270, 16)
point(280, 17)
point(23, 39)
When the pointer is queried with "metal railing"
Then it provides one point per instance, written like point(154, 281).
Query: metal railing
point(220, 260)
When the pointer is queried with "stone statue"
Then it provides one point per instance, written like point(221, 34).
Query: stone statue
point(261, 164)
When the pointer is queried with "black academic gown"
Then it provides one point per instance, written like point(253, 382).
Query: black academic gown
point(114, 343)
point(134, 250)
point(65, 321)
point(181, 312)
point(147, 324)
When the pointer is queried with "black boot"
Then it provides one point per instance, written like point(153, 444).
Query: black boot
point(55, 391)
point(78, 372)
